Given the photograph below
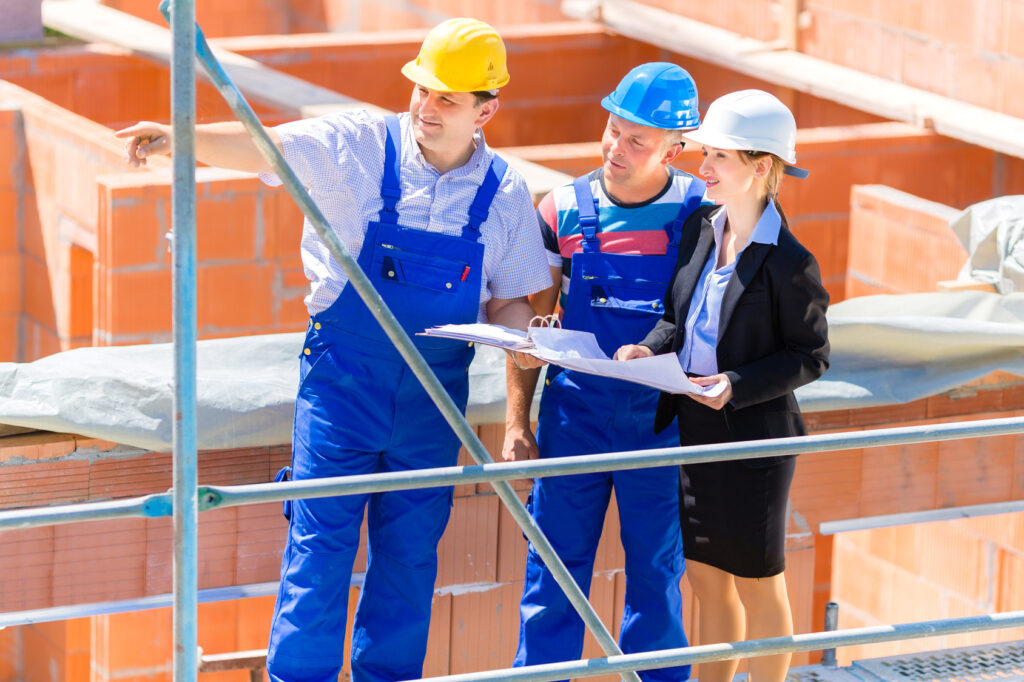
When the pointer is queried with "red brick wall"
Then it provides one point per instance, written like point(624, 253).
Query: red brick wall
point(899, 243)
point(929, 571)
point(964, 49)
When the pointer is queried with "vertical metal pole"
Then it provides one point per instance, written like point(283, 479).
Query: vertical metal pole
point(183, 119)
point(828, 656)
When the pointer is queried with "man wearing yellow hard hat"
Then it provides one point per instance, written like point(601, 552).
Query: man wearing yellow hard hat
point(445, 231)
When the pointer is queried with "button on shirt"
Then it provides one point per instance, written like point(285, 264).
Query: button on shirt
point(700, 339)
point(340, 160)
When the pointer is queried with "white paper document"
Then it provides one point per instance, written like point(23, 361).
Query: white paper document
point(580, 351)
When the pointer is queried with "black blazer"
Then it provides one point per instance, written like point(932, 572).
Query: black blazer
point(772, 333)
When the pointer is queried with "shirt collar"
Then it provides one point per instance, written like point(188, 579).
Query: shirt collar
point(767, 230)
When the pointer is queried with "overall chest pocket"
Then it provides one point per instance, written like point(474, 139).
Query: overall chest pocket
point(635, 299)
point(435, 273)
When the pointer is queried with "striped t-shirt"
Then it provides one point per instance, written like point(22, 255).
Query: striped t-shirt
point(624, 228)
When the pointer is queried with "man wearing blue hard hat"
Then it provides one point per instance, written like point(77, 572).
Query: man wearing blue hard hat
point(612, 238)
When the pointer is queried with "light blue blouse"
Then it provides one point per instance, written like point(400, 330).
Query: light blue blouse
point(701, 336)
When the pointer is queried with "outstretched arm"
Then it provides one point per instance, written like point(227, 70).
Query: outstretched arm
point(225, 145)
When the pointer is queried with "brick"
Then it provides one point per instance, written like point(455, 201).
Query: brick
point(899, 479)
point(282, 226)
point(26, 569)
point(1011, 75)
point(253, 625)
point(833, 420)
point(826, 486)
point(9, 346)
point(975, 471)
point(140, 302)
point(1010, 589)
point(44, 483)
point(139, 640)
point(968, 402)
point(218, 532)
point(889, 414)
point(236, 298)
point(226, 227)
point(512, 546)
point(43, 651)
point(10, 653)
point(610, 554)
point(468, 551)
point(262, 531)
point(976, 80)
point(954, 22)
point(135, 231)
point(99, 561)
point(437, 661)
point(10, 228)
point(40, 341)
point(38, 292)
point(159, 555)
point(607, 596)
point(955, 559)
point(484, 627)
point(217, 626)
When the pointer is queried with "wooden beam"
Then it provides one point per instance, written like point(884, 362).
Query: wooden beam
point(875, 95)
point(94, 22)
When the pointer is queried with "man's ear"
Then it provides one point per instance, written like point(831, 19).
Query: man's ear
point(673, 151)
point(486, 111)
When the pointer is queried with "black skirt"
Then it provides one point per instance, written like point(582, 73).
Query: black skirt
point(732, 514)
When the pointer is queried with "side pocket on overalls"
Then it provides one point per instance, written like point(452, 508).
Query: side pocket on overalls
point(283, 476)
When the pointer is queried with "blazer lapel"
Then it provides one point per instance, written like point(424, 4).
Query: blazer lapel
point(748, 265)
point(686, 280)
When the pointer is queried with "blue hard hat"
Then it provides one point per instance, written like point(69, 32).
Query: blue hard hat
point(656, 94)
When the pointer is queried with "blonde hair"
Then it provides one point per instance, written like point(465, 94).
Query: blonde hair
point(773, 179)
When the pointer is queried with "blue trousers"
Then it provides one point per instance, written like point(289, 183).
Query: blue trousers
point(580, 415)
point(359, 411)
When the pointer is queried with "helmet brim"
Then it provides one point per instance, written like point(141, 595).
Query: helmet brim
point(722, 141)
point(614, 108)
point(420, 76)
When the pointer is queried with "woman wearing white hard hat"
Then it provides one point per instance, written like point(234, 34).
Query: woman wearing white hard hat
point(746, 310)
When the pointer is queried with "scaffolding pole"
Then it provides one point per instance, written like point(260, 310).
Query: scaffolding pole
point(183, 226)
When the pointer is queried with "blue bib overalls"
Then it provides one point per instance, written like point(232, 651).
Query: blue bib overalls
point(618, 297)
point(361, 410)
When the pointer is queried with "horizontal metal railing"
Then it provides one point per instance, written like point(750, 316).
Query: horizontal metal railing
point(214, 497)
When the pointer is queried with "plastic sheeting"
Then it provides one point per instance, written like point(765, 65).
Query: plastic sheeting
point(993, 234)
point(885, 350)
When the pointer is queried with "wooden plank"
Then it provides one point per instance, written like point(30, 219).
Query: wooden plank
point(896, 101)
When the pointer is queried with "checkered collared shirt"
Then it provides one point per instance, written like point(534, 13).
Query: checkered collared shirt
point(340, 159)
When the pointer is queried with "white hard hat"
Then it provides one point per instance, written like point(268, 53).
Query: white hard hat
point(750, 120)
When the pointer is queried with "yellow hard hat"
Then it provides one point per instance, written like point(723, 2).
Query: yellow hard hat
point(460, 55)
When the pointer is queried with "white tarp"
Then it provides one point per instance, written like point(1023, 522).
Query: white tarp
point(885, 350)
point(993, 234)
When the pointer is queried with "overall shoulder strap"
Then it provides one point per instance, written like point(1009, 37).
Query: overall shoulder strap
point(481, 205)
point(691, 202)
point(390, 185)
point(586, 204)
